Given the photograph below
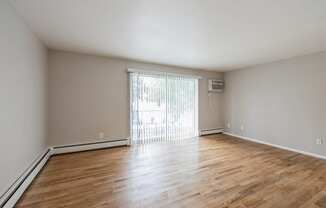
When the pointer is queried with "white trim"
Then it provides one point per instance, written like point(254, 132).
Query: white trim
point(204, 132)
point(10, 198)
point(131, 70)
point(130, 106)
point(277, 146)
point(88, 146)
point(196, 107)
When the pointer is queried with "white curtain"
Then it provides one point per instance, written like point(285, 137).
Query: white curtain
point(163, 107)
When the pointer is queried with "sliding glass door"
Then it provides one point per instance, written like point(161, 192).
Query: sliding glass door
point(163, 107)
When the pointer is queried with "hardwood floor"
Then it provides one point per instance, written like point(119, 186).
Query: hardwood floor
point(216, 171)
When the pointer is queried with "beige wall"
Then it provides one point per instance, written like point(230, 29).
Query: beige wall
point(22, 97)
point(90, 94)
point(281, 103)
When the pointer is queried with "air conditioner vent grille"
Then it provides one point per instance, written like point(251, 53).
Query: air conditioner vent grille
point(215, 85)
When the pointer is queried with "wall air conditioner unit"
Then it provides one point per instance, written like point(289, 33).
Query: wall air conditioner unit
point(215, 85)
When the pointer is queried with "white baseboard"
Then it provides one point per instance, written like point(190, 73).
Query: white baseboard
point(88, 146)
point(204, 132)
point(277, 146)
point(10, 198)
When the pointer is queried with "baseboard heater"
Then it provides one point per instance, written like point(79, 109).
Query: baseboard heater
point(16, 190)
point(89, 146)
point(204, 132)
point(12, 195)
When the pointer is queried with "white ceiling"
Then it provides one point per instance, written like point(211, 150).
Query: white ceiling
point(209, 34)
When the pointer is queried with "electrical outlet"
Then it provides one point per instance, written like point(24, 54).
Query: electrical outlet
point(101, 135)
point(319, 141)
point(229, 125)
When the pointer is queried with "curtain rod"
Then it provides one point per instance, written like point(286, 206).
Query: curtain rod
point(131, 70)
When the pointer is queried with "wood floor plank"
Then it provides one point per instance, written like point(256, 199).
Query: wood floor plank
point(213, 171)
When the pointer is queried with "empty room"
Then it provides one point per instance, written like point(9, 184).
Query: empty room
point(163, 104)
